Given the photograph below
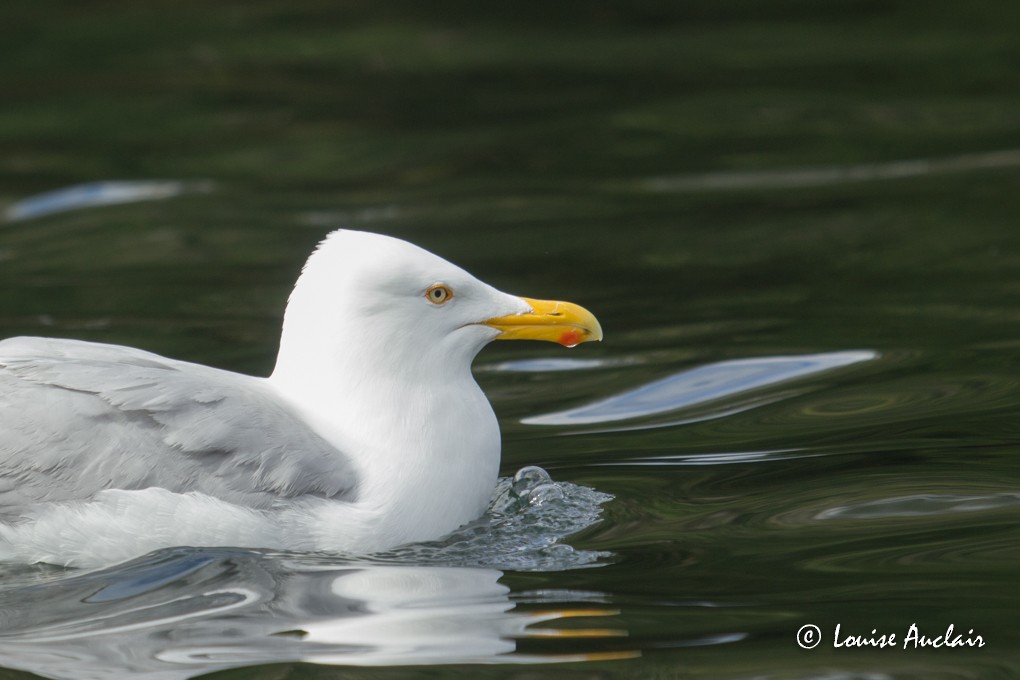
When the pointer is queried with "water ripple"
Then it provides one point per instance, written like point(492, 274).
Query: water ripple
point(796, 178)
point(939, 553)
point(695, 386)
point(920, 505)
point(94, 194)
point(246, 607)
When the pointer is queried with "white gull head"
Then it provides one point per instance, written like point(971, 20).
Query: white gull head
point(375, 354)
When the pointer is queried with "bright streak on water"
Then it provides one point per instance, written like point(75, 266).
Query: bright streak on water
point(797, 178)
point(94, 194)
point(695, 386)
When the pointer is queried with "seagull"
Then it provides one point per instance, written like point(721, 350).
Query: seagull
point(370, 433)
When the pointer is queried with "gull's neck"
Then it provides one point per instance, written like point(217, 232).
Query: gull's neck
point(416, 424)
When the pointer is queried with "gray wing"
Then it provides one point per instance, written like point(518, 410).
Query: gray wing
point(79, 417)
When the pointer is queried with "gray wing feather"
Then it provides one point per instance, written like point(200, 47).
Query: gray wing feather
point(79, 417)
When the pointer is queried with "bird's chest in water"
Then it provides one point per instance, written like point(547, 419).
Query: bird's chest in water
point(440, 476)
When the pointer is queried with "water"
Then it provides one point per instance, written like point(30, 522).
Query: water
point(795, 221)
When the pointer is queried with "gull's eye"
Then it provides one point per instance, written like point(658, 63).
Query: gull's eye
point(438, 294)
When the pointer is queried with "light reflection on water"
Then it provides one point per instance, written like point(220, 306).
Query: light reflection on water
point(695, 386)
point(240, 608)
point(97, 194)
point(921, 505)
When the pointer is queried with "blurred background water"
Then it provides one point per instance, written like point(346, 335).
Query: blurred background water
point(795, 220)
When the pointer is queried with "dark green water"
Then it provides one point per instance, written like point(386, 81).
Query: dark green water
point(717, 181)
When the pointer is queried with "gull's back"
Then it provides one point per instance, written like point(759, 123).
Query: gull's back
point(78, 417)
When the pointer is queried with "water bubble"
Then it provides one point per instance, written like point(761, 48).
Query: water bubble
point(527, 478)
point(545, 493)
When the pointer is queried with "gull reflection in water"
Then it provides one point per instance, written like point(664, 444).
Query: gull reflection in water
point(184, 612)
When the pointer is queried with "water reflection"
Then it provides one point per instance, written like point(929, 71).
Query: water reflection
point(920, 505)
point(188, 611)
point(711, 459)
point(798, 178)
point(552, 364)
point(243, 608)
point(699, 385)
point(95, 194)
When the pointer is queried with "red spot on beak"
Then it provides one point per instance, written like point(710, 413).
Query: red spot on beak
point(570, 338)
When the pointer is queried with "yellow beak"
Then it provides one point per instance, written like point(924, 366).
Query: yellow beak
point(562, 322)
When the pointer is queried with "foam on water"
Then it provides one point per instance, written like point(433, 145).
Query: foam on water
point(528, 517)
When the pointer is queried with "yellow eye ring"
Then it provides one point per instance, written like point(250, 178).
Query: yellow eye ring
point(438, 294)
